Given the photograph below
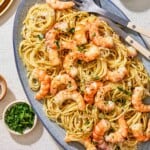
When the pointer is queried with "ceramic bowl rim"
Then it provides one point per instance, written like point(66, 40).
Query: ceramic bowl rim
point(9, 106)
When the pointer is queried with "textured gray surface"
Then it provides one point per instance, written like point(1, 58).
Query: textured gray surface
point(57, 132)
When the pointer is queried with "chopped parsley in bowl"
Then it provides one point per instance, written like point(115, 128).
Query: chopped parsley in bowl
point(19, 117)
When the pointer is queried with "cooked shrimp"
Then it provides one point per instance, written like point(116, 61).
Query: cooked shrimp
point(44, 79)
point(131, 52)
point(138, 132)
point(92, 53)
point(148, 129)
point(90, 91)
point(52, 35)
point(137, 100)
point(62, 26)
point(60, 5)
point(106, 42)
point(53, 57)
point(86, 142)
point(98, 134)
point(121, 134)
point(99, 130)
point(63, 79)
point(80, 34)
point(100, 99)
point(97, 39)
point(117, 75)
point(102, 145)
point(64, 95)
point(70, 45)
point(69, 63)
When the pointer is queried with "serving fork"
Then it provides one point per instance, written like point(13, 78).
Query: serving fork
point(90, 6)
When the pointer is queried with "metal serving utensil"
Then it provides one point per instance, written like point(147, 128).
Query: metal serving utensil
point(90, 6)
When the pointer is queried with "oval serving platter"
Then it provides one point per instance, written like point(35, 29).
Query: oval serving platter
point(57, 132)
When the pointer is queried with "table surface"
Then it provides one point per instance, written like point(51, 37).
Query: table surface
point(138, 11)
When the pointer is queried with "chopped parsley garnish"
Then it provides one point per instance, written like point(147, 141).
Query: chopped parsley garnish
point(20, 117)
point(96, 78)
point(81, 48)
point(79, 61)
point(124, 91)
point(69, 84)
point(94, 34)
point(122, 101)
point(87, 122)
point(95, 143)
point(57, 44)
point(71, 30)
point(40, 36)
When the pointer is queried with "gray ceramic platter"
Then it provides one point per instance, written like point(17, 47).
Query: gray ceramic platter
point(57, 132)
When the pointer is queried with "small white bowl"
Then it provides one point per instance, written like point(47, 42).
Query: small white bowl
point(26, 131)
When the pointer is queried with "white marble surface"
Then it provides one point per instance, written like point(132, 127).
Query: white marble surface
point(39, 139)
point(138, 11)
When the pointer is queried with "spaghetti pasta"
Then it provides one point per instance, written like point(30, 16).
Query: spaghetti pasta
point(79, 124)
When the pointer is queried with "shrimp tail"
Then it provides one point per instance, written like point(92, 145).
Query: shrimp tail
point(64, 95)
point(138, 133)
point(90, 91)
point(44, 79)
point(60, 5)
point(137, 100)
point(121, 134)
point(86, 142)
point(100, 99)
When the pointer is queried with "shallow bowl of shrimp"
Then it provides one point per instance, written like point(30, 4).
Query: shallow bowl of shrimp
point(86, 85)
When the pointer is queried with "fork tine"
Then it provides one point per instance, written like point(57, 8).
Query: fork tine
point(76, 7)
point(98, 2)
point(78, 2)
